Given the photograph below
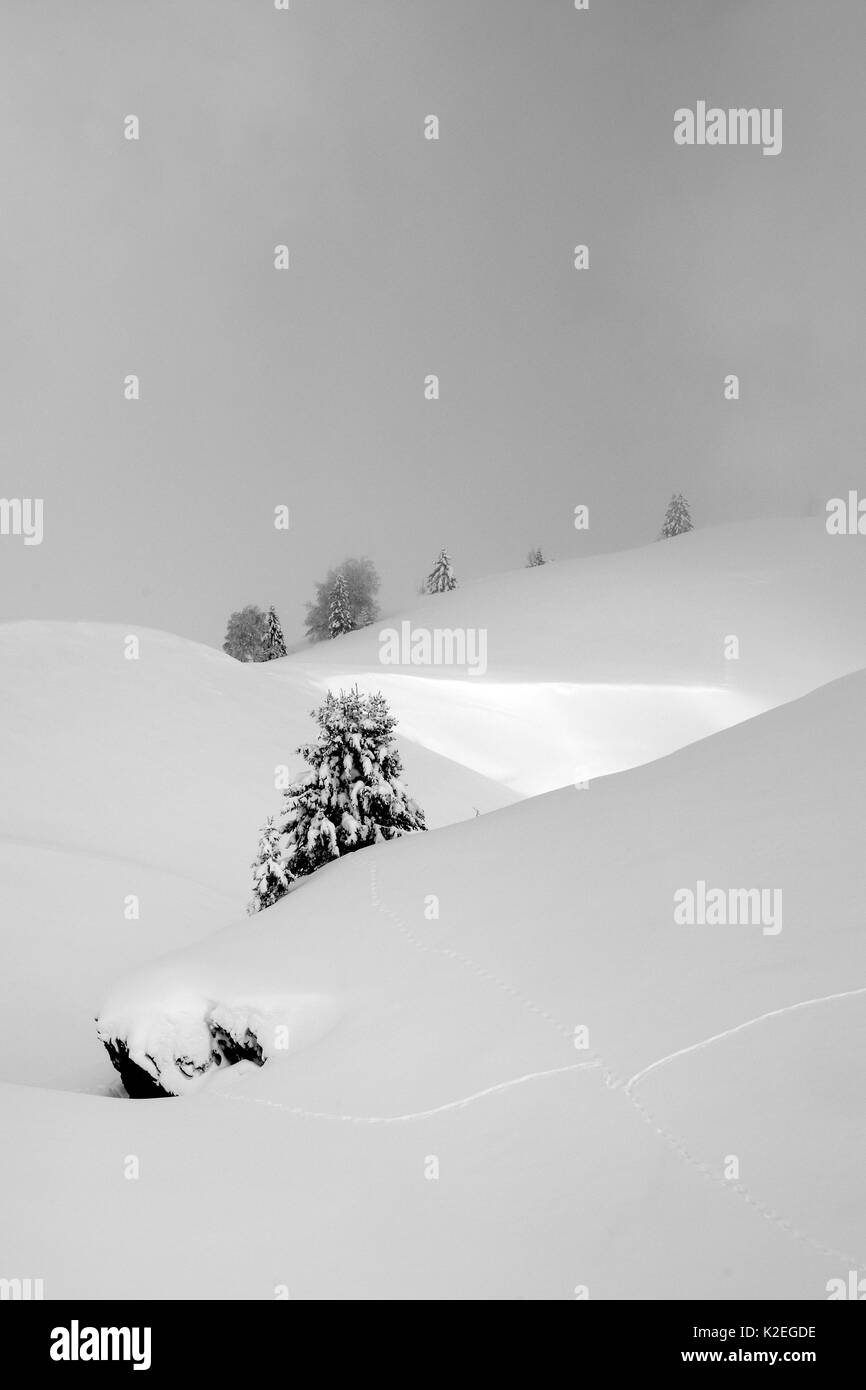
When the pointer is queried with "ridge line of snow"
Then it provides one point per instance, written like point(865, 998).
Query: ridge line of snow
point(303, 1113)
point(739, 1028)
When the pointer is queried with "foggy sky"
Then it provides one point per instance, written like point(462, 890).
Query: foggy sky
point(410, 257)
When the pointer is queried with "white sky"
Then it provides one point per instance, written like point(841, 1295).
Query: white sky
point(409, 257)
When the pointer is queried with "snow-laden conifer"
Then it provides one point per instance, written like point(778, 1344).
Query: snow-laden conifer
point(441, 578)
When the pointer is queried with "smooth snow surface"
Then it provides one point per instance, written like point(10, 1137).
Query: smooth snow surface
point(415, 1039)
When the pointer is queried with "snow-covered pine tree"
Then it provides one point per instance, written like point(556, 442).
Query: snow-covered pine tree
point(441, 577)
point(339, 613)
point(353, 795)
point(275, 641)
point(677, 518)
point(269, 877)
point(362, 585)
point(535, 558)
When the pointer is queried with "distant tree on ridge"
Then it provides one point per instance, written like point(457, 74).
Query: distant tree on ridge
point(441, 579)
point(677, 519)
point(247, 634)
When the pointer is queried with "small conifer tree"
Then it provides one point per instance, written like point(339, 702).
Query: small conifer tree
point(269, 877)
point(352, 796)
point(339, 616)
point(441, 578)
point(677, 519)
point(275, 641)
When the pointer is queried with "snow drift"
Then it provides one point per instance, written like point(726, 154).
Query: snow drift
point(556, 1009)
point(487, 1061)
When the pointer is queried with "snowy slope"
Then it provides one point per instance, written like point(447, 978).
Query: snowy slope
point(157, 773)
point(167, 761)
point(569, 897)
point(147, 778)
point(596, 665)
point(453, 1038)
point(151, 778)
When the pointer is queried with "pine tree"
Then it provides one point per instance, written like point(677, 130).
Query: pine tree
point(441, 578)
point(362, 586)
point(535, 558)
point(339, 615)
point(269, 877)
point(677, 519)
point(353, 796)
point(275, 641)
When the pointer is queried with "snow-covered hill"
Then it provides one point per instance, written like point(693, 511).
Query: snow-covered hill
point(596, 665)
point(430, 991)
point(144, 778)
point(450, 1041)
point(150, 777)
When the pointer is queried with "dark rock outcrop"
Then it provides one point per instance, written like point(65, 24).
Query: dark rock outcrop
point(139, 1084)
